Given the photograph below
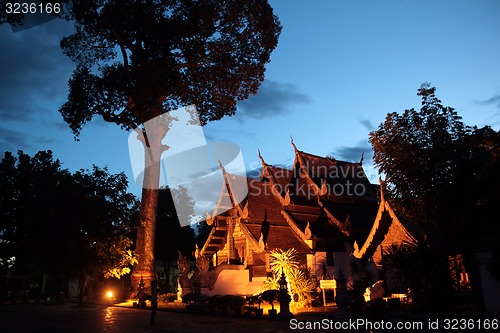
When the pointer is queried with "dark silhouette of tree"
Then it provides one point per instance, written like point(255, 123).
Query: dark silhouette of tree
point(442, 174)
point(415, 266)
point(170, 235)
point(417, 153)
point(203, 231)
point(64, 224)
point(137, 60)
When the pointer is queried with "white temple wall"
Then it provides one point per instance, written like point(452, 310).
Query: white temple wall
point(234, 282)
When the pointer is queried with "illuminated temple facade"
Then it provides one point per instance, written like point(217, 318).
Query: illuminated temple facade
point(324, 208)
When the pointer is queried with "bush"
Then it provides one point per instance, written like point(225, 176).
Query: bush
point(166, 298)
point(188, 298)
point(237, 302)
point(225, 302)
point(270, 296)
point(213, 302)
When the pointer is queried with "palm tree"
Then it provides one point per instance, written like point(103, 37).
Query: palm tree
point(284, 261)
point(301, 281)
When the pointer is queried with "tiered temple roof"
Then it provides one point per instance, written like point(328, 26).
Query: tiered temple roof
point(319, 198)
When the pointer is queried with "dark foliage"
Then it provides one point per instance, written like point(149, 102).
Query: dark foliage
point(138, 59)
point(423, 272)
point(170, 235)
point(62, 224)
point(444, 176)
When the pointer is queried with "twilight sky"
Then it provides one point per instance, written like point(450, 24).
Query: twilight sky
point(339, 68)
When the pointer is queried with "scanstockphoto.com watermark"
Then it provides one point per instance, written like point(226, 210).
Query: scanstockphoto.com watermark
point(481, 324)
point(355, 324)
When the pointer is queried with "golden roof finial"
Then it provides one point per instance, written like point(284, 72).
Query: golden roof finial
point(261, 158)
point(291, 141)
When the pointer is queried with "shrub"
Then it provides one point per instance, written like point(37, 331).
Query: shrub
point(166, 298)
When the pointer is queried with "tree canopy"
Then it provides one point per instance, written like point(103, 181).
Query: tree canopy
point(441, 173)
point(139, 59)
point(60, 223)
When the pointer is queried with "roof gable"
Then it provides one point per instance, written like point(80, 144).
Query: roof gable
point(333, 178)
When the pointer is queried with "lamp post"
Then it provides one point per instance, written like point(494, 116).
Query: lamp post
point(342, 299)
point(140, 293)
point(284, 298)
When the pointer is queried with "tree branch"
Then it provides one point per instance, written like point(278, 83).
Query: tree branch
point(119, 41)
point(117, 119)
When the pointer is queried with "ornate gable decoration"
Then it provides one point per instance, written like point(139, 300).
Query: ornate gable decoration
point(307, 231)
point(244, 213)
point(324, 188)
point(262, 244)
point(287, 198)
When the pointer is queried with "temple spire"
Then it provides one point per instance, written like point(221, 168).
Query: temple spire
point(381, 182)
point(261, 158)
point(293, 144)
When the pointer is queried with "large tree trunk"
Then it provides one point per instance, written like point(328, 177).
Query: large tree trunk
point(144, 249)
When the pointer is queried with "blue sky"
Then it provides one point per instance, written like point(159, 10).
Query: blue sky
point(339, 68)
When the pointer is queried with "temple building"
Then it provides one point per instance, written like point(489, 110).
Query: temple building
point(324, 208)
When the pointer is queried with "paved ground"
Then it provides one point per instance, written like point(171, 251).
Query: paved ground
point(39, 318)
point(69, 318)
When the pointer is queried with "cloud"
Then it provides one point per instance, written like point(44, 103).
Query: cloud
point(221, 134)
point(34, 70)
point(495, 100)
point(12, 140)
point(273, 98)
point(367, 124)
point(60, 125)
point(254, 173)
point(354, 153)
